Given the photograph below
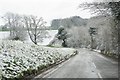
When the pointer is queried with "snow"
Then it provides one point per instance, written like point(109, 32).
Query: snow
point(17, 57)
point(4, 34)
point(97, 50)
point(51, 33)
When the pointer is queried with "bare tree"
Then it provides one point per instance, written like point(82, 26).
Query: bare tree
point(14, 23)
point(36, 28)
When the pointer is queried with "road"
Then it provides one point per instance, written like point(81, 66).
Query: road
point(86, 64)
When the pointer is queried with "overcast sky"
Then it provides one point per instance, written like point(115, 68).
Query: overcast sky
point(48, 9)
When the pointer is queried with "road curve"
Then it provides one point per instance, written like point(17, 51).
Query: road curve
point(86, 64)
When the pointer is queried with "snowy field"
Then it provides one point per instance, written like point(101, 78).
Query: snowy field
point(4, 34)
point(52, 33)
point(18, 59)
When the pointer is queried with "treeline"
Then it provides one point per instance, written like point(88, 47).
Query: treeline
point(68, 22)
point(6, 28)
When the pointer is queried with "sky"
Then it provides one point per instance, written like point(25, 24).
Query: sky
point(48, 9)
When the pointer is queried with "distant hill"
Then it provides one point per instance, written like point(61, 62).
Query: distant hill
point(68, 22)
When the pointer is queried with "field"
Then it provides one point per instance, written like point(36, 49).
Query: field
point(51, 33)
point(4, 34)
point(18, 59)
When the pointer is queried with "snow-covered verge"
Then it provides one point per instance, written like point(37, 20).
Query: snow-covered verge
point(108, 54)
point(96, 50)
point(18, 59)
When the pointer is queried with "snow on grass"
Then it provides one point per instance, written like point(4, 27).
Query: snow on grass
point(46, 40)
point(97, 50)
point(51, 34)
point(18, 59)
point(4, 34)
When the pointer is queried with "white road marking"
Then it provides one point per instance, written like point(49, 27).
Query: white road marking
point(49, 73)
point(99, 75)
point(52, 71)
point(94, 64)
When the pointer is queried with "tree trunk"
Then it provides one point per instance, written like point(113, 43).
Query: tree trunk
point(118, 27)
point(92, 42)
point(64, 43)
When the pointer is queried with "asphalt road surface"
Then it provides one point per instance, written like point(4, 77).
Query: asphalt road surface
point(86, 64)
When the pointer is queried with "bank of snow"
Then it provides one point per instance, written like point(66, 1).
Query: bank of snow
point(18, 59)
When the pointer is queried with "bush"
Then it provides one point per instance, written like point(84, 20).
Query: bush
point(16, 38)
point(18, 34)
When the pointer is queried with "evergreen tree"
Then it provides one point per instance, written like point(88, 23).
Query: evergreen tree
point(62, 35)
